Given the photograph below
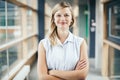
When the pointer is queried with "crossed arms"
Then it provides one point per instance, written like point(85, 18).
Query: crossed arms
point(79, 73)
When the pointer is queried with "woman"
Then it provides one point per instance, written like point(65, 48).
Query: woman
point(62, 56)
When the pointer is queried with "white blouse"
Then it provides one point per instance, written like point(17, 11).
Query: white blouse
point(63, 56)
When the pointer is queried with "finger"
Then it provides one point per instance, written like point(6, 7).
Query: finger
point(81, 62)
point(81, 65)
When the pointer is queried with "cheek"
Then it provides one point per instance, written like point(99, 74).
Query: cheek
point(70, 21)
point(56, 21)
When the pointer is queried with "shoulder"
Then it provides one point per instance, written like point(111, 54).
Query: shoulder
point(45, 43)
point(44, 40)
point(78, 39)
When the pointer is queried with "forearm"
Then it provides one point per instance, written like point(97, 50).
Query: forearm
point(70, 75)
point(49, 77)
point(67, 75)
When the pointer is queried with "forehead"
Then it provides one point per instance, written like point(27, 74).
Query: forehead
point(63, 10)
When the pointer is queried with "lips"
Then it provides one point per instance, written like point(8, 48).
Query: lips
point(63, 23)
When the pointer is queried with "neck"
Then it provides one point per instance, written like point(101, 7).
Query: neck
point(62, 35)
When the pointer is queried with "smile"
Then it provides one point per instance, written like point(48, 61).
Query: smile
point(63, 23)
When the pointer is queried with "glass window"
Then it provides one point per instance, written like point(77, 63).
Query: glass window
point(113, 17)
point(9, 22)
point(13, 15)
point(2, 13)
point(29, 2)
point(2, 19)
point(30, 44)
point(114, 13)
point(114, 62)
point(2, 23)
point(2, 36)
point(15, 53)
point(3, 63)
point(13, 22)
point(29, 22)
point(14, 56)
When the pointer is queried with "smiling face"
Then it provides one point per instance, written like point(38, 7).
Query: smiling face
point(63, 18)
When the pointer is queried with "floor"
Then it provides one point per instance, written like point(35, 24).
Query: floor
point(93, 73)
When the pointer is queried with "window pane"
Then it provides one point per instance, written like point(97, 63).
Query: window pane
point(2, 13)
point(114, 62)
point(2, 19)
point(29, 2)
point(30, 44)
point(29, 22)
point(3, 63)
point(14, 54)
point(2, 36)
point(2, 23)
point(13, 15)
point(115, 21)
point(13, 22)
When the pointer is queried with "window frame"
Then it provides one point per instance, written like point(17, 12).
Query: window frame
point(109, 35)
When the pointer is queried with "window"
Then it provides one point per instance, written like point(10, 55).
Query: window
point(113, 18)
point(9, 22)
point(18, 37)
point(14, 56)
point(114, 62)
point(29, 22)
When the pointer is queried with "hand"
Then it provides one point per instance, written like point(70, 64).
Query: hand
point(53, 73)
point(81, 65)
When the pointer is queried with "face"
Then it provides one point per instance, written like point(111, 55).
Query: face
point(63, 18)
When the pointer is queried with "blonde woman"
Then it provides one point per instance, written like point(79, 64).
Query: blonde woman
point(62, 56)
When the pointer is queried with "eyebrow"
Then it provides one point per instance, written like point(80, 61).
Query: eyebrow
point(65, 13)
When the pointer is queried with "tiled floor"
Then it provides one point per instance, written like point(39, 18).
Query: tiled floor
point(93, 74)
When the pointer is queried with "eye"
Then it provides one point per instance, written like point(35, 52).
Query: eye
point(58, 15)
point(66, 15)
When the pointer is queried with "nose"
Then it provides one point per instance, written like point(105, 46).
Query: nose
point(62, 18)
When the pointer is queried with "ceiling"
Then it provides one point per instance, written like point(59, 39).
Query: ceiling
point(51, 3)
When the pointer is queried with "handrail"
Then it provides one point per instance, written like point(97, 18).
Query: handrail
point(112, 44)
point(17, 68)
point(23, 73)
point(19, 3)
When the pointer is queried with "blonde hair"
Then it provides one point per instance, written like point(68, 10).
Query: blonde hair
point(53, 28)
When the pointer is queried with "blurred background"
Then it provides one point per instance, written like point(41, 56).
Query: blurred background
point(23, 23)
